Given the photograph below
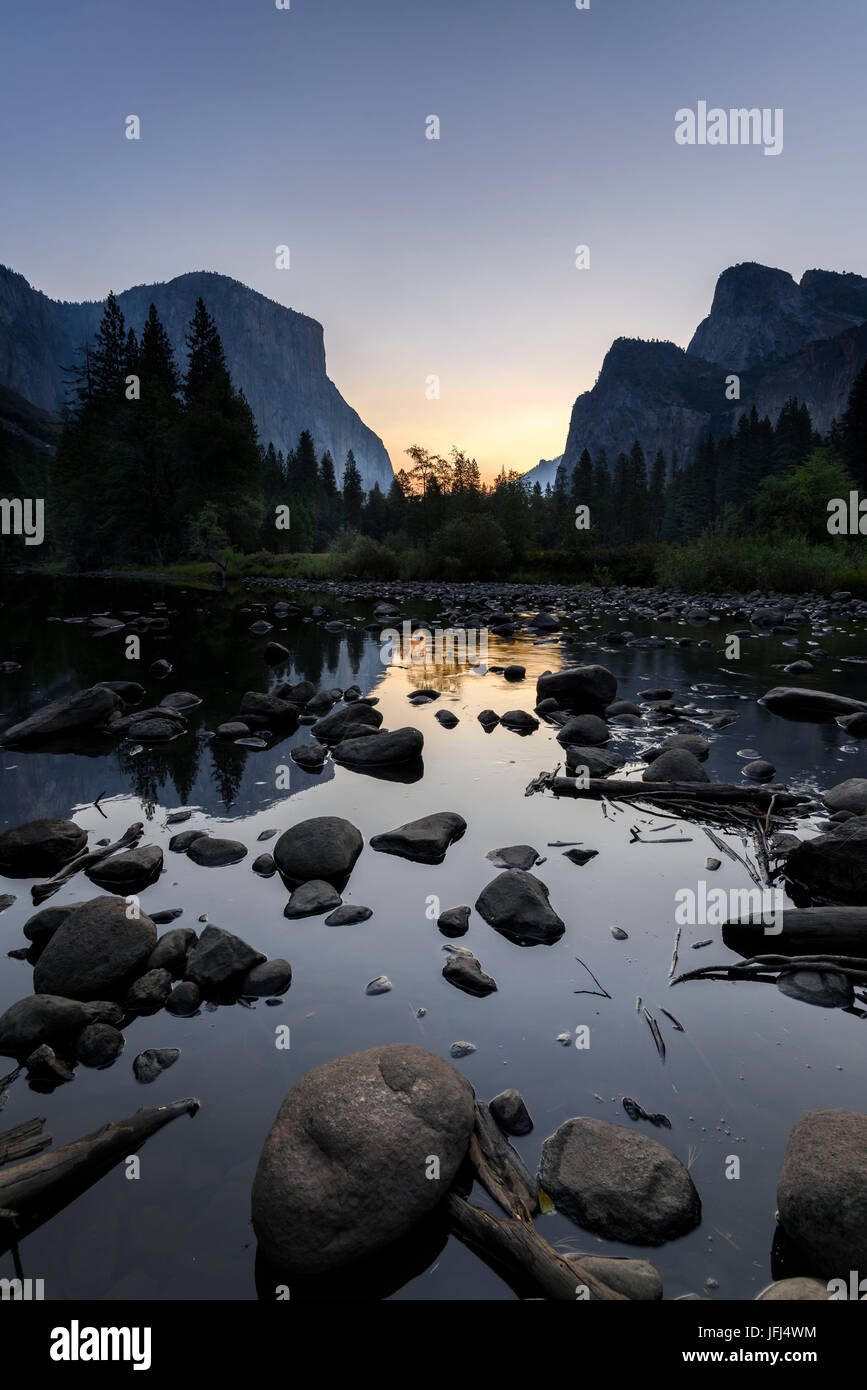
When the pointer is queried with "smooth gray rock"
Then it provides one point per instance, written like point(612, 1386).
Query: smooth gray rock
point(184, 999)
point(833, 865)
point(618, 1182)
point(331, 728)
point(587, 729)
point(850, 795)
point(675, 765)
point(95, 952)
point(634, 1279)
point(799, 1289)
point(454, 921)
point(38, 848)
point(271, 977)
point(309, 754)
point(149, 992)
point(343, 1170)
point(587, 688)
point(511, 1113)
point(128, 872)
point(212, 852)
point(348, 915)
point(513, 857)
point(516, 904)
point(425, 840)
point(796, 703)
point(324, 847)
point(822, 1192)
point(98, 1045)
point(399, 746)
point(38, 1019)
point(311, 899)
point(599, 762)
point(72, 713)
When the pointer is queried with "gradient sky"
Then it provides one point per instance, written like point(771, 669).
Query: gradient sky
point(452, 257)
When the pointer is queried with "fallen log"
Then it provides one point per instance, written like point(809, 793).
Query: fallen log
point(23, 1140)
point(802, 925)
point(716, 793)
point(514, 1247)
point(35, 1190)
point(500, 1169)
point(40, 891)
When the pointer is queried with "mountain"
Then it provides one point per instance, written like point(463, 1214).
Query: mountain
point(275, 355)
point(544, 473)
point(780, 338)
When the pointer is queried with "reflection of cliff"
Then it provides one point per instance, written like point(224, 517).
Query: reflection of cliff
point(212, 653)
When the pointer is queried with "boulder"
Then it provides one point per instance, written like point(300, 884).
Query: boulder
point(833, 865)
point(343, 1172)
point(599, 762)
point(454, 921)
point(95, 952)
point(822, 1192)
point(128, 872)
point(271, 708)
point(516, 904)
point(38, 848)
point(98, 1045)
point(170, 952)
point(796, 703)
point(850, 795)
point(675, 765)
point(43, 924)
point(86, 709)
point(377, 750)
point(586, 729)
point(798, 1290)
point(331, 728)
point(38, 1019)
point(618, 1183)
point(149, 992)
point(219, 961)
point(213, 852)
point(309, 754)
point(271, 977)
point(348, 915)
point(323, 847)
point(513, 857)
point(579, 688)
point(519, 721)
point(634, 1279)
point(425, 840)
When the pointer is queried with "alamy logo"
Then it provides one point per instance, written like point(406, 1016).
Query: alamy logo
point(737, 126)
point(22, 1290)
point(23, 516)
point(465, 646)
point(76, 1343)
point(709, 907)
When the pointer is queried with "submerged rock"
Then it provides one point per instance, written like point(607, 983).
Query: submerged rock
point(151, 1063)
point(618, 1183)
point(343, 1172)
point(833, 865)
point(827, 988)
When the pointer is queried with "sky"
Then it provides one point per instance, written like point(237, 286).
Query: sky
point(451, 258)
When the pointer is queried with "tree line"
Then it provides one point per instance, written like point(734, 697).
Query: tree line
point(156, 464)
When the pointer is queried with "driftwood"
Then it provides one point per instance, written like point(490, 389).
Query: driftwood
point(766, 967)
point(512, 1246)
point(716, 793)
point(33, 1191)
point(40, 891)
point(23, 1140)
point(803, 924)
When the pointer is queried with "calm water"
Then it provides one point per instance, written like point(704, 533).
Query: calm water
point(749, 1063)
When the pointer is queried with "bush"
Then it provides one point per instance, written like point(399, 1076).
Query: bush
point(741, 563)
point(363, 558)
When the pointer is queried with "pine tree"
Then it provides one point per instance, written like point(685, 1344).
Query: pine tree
point(353, 494)
point(854, 430)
